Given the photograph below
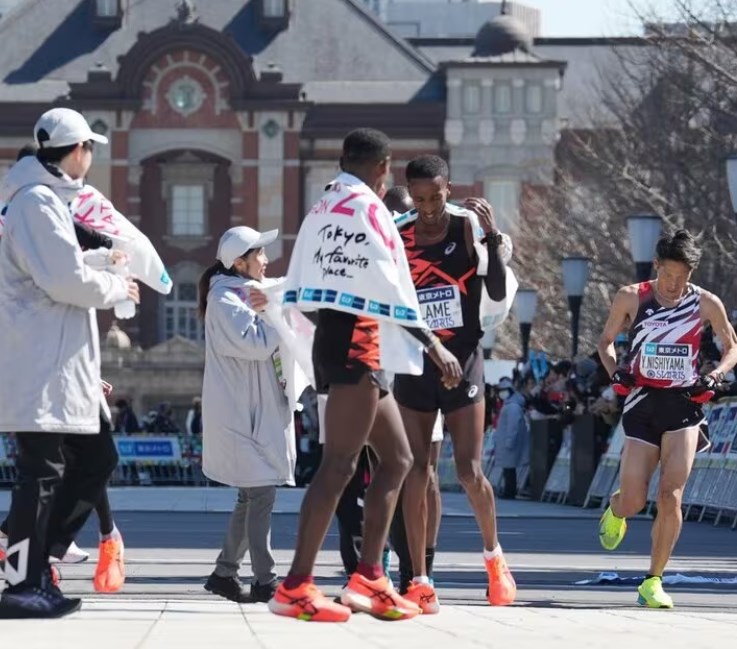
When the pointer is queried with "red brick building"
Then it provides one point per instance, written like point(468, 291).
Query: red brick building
point(232, 112)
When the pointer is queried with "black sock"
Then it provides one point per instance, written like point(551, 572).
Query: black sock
point(429, 560)
point(649, 576)
point(105, 514)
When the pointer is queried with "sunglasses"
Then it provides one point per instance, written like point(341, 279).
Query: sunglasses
point(89, 145)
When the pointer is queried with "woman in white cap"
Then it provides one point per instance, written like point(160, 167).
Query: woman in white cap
point(247, 424)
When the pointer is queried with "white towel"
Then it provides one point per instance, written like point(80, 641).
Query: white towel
point(491, 313)
point(349, 257)
point(296, 334)
point(91, 209)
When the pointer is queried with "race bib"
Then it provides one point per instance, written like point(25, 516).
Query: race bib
point(666, 362)
point(441, 307)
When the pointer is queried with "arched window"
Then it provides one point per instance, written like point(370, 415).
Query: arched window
point(179, 308)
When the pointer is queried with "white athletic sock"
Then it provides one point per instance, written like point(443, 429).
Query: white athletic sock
point(493, 554)
point(115, 534)
point(422, 579)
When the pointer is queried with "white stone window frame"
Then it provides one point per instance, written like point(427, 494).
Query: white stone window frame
point(188, 210)
point(534, 98)
point(194, 173)
point(174, 307)
point(472, 98)
point(502, 89)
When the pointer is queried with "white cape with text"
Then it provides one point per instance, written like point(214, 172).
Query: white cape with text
point(349, 257)
point(91, 209)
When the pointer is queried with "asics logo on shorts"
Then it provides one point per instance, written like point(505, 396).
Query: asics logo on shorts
point(473, 391)
point(450, 248)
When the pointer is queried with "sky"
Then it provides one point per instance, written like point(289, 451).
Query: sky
point(596, 17)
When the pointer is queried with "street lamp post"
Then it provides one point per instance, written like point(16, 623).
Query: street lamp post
point(644, 232)
point(732, 180)
point(487, 342)
point(525, 305)
point(575, 276)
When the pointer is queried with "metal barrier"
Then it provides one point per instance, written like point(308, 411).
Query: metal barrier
point(559, 480)
point(711, 491)
point(605, 478)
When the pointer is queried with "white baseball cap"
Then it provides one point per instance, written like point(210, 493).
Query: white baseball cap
point(237, 241)
point(64, 127)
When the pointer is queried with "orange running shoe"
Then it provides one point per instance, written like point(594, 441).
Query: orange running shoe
point(424, 596)
point(378, 598)
point(502, 587)
point(307, 603)
point(110, 572)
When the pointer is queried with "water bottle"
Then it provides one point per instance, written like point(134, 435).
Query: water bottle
point(126, 309)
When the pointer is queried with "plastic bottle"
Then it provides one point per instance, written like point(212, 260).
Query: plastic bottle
point(126, 309)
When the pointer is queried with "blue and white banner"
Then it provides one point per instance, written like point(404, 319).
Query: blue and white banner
point(163, 448)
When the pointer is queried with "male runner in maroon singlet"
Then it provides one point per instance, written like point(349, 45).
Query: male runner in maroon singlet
point(663, 419)
point(360, 410)
point(443, 261)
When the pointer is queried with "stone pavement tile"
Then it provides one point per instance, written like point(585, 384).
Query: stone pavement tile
point(204, 623)
point(200, 633)
point(74, 632)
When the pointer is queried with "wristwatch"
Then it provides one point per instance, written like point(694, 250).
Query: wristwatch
point(493, 238)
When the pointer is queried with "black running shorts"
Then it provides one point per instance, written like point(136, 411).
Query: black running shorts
point(650, 413)
point(426, 393)
point(346, 348)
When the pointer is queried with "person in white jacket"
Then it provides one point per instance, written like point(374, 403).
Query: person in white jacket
point(51, 341)
point(247, 422)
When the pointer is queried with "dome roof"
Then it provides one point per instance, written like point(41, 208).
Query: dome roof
point(116, 338)
point(501, 35)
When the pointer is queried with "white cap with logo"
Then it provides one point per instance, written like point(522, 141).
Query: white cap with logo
point(237, 241)
point(63, 127)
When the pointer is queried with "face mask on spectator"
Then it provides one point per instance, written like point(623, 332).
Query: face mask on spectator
point(505, 394)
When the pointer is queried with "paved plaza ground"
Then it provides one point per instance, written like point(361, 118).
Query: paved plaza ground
point(173, 536)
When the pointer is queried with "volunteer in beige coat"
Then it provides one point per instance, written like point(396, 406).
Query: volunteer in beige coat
point(247, 423)
point(51, 395)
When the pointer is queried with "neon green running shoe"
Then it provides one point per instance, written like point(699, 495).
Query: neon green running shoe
point(652, 594)
point(611, 529)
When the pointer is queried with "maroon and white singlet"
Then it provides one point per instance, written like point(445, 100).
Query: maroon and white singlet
point(665, 341)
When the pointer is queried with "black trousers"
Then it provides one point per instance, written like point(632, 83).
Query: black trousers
point(509, 477)
point(60, 479)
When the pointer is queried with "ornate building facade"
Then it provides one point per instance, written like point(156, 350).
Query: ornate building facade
point(233, 112)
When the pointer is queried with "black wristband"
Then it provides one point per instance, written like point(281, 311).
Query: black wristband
point(493, 238)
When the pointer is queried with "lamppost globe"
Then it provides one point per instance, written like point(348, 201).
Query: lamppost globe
point(644, 231)
point(525, 306)
point(575, 277)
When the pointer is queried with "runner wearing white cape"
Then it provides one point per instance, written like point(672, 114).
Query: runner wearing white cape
point(349, 264)
point(444, 258)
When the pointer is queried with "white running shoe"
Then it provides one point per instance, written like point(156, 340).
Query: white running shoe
point(74, 554)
